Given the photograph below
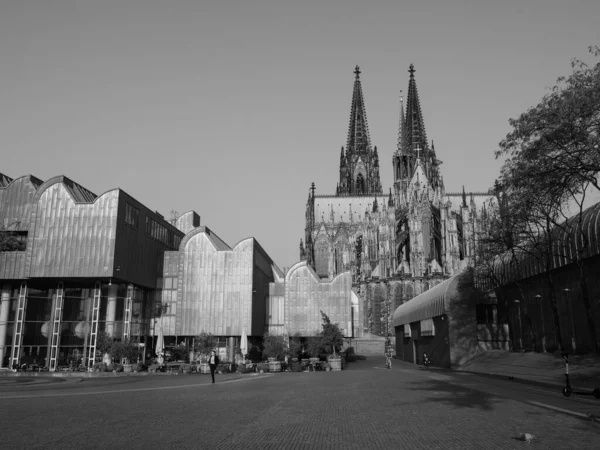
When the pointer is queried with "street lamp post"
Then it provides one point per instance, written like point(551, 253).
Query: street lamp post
point(539, 297)
point(518, 302)
point(573, 342)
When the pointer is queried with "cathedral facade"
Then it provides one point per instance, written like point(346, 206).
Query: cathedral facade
point(397, 244)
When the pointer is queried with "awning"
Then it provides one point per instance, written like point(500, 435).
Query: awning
point(427, 327)
point(431, 303)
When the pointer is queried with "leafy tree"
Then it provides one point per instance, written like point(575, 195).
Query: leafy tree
point(295, 346)
point(562, 133)
point(275, 346)
point(204, 343)
point(314, 346)
point(125, 350)
point(539, 206)
point(554, 159)
point(331, 336)
point(10, 242)
point(104, 342)
point(498, 235)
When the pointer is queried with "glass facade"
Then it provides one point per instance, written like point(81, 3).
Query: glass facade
point(10, 325)
point(75, 322)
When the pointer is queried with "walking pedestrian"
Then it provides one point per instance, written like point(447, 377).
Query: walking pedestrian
point(213, 360)
point(388, 356)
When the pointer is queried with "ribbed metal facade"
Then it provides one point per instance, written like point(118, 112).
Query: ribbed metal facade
point(72, 239)
point(75, 242)
point(109, 263)
point(307, 295)
point(576, 239)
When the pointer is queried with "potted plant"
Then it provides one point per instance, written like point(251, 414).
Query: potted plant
point(332, 340)
point(130, 353)
point(204, 343)
point(275, 349)
point(104, 343)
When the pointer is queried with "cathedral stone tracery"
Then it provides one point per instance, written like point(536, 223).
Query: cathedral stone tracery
point(395, 245)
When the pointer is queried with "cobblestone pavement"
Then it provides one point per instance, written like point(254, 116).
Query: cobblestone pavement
point(364, 407)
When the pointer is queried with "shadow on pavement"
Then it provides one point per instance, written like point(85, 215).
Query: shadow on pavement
point(454, 395)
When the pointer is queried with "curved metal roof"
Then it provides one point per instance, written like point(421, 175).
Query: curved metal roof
point(577, 238)
point(431, 303)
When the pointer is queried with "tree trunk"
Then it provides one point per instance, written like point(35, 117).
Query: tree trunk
point(585, 295)
point(528, 325)
point(555, 315)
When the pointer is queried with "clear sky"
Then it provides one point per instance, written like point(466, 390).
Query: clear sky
point(232, 108)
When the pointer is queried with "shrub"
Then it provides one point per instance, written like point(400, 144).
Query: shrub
point(314, 346)
point(223, 368)
point(204, 343)
point(100, 367)
point(181, 352)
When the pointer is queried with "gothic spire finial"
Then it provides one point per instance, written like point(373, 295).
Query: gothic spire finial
point(358, 131)
point(401, 125)
point(415, 127)
point(411, 70)
point(357, 72)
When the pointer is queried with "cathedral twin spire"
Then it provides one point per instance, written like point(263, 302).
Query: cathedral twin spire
point(412, 142)
point(359, 162)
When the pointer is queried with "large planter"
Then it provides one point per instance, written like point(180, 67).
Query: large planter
point(127, 368)
point(335, 363)
point(204, 368)
point(274, 366)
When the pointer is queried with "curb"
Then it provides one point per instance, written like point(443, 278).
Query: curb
point(517, 378)
point(590, 417)
point(93, 374)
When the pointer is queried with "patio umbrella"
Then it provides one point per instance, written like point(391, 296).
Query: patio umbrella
point(160, 344)
point(244, 344)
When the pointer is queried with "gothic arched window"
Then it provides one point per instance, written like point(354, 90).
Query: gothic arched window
point(360, 184)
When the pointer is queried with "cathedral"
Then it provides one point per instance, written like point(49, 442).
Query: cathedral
point(397, 244)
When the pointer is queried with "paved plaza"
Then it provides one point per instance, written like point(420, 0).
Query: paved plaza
point(366, 406)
